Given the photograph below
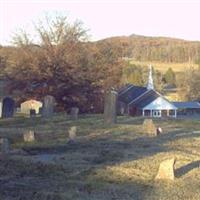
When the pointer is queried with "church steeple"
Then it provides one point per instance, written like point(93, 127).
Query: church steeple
point(150, 85)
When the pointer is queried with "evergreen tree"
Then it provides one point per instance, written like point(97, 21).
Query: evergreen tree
point(169, 77)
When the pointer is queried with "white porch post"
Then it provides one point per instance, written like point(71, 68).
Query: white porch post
point(167, 113)
point(143, 112)
point(150, 113)
point(175, 113)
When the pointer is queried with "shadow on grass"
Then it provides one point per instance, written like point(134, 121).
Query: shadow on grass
point(106, 149)
point(109, 150)
point(187, 168)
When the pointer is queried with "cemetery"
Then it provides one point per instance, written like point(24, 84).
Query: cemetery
point(72, 155)
point(59, 156)
point(99, 100)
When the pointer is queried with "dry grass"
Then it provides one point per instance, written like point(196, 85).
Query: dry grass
point(163, 67)
point(106, 162)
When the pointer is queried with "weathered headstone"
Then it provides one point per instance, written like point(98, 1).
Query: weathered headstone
point(40, 110)
point(18, 110)
point(32, 113)
point(122, 111)
point(74, 113)
point(166, 169)
point(1, 107)
point(5, 146)
point(29, 136)
point(8, 107)
point(149, 127)
point(72, 133)
point(48, 106)
point(110, 107)
point(30, 105)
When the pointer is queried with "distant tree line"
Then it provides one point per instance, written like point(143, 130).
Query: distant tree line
point(189, 85)
point(138, 75)
point(161, 49)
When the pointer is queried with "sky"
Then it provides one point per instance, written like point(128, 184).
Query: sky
point(106, 18)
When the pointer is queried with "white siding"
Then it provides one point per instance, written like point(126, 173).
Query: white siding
point(160, 104)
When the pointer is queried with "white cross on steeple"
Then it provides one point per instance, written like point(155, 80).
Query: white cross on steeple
point(150, 85)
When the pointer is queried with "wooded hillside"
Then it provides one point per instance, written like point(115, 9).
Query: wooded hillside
point(142, 48)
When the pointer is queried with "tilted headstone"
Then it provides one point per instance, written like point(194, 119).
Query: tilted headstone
point(149, 127)
point(30, 105)
point(5, 145)
point(48, 106)
point(8, 107)
point(166, 169)
point(29, 136)
point(110, 107)
point(72, 133)
point(74, 113)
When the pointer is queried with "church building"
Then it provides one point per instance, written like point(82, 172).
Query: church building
point(145, 101)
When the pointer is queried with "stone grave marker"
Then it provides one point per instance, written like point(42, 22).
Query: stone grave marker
point(110, 107)
point(32, 113)
point(1, 107)
point(74, 113)
point(149, 127)
point(48, 106)
point(166, 169)
point(30, 105)
point(8, 107)
point(29, 136)
point(40, 110)
point(5, 146)
point(72, 134)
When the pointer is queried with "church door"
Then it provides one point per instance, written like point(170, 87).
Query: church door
point(156, 113)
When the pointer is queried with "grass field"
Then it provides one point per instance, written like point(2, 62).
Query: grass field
point(116, 162)
point(163, 67)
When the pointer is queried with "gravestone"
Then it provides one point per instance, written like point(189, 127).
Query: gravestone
point(32, 113)
point(1, 107)
point(29, 136)
point(5, 145)
point(110, 107)
point(40, 110)
point(149, 127)
point(48, 106)
point(74, 113)
point(72, 134)
point(8, 107)
point(166, 169)
point(30, 105)
point(18, 110)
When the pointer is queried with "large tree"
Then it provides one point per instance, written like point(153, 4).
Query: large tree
point(62, 63)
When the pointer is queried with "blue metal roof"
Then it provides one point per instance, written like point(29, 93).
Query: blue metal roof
point(130, 93)
point(189, 104)
point(145, 99)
